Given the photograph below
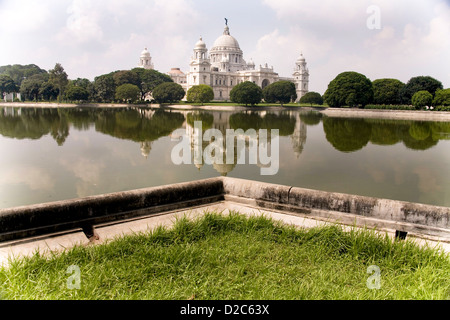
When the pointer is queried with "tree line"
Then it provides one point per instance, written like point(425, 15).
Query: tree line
point(354, 89)
point(36, 84)
point(349, 88)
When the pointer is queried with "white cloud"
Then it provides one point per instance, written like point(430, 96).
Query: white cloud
point(84, 169)
point(35, 178)
point(94, 37)
point(23, 16)
point(280, 50)
point(413, 39)
point(82, 24)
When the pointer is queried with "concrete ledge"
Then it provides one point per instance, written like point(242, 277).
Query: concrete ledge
point(388, 114)
point(83, 213)
point(348, 209)
point(86, 213)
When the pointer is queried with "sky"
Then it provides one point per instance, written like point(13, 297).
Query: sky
point(379, 38)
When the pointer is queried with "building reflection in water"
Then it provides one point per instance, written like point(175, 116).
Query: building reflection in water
point(245, 121)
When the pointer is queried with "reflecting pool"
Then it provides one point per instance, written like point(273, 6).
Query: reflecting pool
point(56, 154)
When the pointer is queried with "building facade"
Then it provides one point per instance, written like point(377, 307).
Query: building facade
point(223, 67)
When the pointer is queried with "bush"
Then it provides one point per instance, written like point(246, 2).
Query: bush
point(442, 108)
point(442, 97)
point(200, 94)
point(77, 94)
point(312, 98)
point(421, 83)
point(349, 88)
point(387, 91)
point(389, 107)
point(280, 91)
point(168, 92)
point(246, 93)
point(421, 99)
point(128, 92)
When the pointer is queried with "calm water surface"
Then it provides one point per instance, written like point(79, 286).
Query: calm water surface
point(56, 154)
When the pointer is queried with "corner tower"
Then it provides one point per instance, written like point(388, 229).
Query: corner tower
point(301, 77)
point(145, 60)
point(200, 66)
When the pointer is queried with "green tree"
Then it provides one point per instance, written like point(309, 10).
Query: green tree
point(7, 85)
point(30, 89)
point(201, 93)
point(421, 99)
point(80, 82)
point(75, 93)
point(387, 91)
point(246, 93)
point(312, 98)
point(127, 92)
point(19, 72)
point(280, 91)
point(349, 88)
point(48, 91)
point(149, 80)
point(104, 88)
point(85, 84)
point(59, 78)
point(168, 92)
point(126, 76)
point(419, 83)
point(442, 97)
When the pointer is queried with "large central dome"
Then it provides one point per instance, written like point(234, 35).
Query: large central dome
point(226, 55)
point(226, 41)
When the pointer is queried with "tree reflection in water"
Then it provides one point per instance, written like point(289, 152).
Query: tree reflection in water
point(404, 175)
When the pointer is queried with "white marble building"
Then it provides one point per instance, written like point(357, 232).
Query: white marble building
point(224, 66)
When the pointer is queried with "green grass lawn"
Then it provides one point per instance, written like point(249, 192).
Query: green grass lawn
point(234, 257)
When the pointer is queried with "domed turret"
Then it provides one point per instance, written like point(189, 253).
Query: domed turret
point(301, 58)
point(145, 60)
point(200, 50)
point(145, 53)
point(200, 44)
point(251, 65)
